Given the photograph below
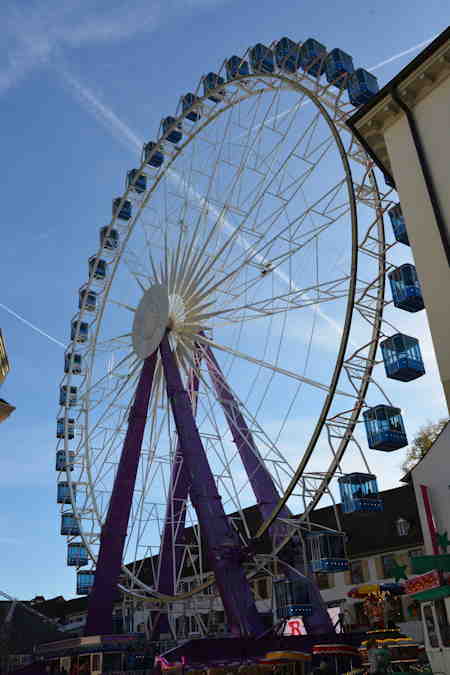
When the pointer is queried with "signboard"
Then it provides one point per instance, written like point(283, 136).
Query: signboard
point(424, 582)
point(295, 625)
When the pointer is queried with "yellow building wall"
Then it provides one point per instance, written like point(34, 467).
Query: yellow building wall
point(4, 363)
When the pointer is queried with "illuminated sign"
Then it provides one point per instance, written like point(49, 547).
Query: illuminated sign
point(424, 582)
point(295, 626)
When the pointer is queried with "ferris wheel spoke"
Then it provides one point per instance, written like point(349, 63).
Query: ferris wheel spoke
point(272, 176)
point(116, 342)
point(269, 366)
point(264, 441)
point(335, 289)
point(109, 411)
point(123, 305)
point(86, 395)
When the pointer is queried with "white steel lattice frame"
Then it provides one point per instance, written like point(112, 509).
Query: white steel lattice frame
point(352, 373)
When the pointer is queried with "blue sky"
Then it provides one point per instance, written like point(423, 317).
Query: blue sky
point(78, 85)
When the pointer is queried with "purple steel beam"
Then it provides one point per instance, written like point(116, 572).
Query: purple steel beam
point(114, 530)
point(225, 554)
point(263, 487)
point(170, 558)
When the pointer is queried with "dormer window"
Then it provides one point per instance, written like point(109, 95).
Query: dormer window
point(402, 526)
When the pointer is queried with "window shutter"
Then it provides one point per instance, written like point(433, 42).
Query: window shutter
point(365, 569)
point(348, 578)
point(379, 567)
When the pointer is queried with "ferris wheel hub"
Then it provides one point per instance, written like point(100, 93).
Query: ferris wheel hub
point(177, 311)
point(151, 320)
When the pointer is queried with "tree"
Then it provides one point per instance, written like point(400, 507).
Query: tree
point(422, 442)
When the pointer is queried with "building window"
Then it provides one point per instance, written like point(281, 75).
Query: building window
point(357, 574)
point(96, 662)
point(388, 562)
point(415, 553)
point(322, 580)
point(262, 588)
point(444, 627)
point(403, 527)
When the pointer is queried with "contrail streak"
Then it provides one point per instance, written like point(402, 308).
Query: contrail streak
point(101, 112)
point(32, 326)
point(404, 53)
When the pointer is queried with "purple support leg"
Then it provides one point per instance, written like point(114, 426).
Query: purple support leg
point(170, 557)
point(263, 487)
point(225, 555)
point(114, 530)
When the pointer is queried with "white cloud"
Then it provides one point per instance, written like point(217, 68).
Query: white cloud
point(35, 32)
point(400, 55)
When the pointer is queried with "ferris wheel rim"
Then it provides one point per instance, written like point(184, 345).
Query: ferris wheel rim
point(209, 119)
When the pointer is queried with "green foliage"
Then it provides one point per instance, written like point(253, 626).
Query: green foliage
point(422, 442)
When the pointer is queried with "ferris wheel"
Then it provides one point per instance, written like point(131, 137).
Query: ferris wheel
point(226, 335)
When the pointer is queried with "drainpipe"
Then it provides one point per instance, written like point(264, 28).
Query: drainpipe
point(425, 171)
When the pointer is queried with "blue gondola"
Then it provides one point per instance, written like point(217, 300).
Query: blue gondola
point(123, 212)
point(61, 463)
point(69, 525)
point(405, 287)
point(136, 181)
point(211, 82)
point(398, 224)
point(97, 268)
point(236, 67)
point(326, 551)
point(384, 428)
point(170, 124)
point(85, 581)
point(153, 155)
point(361, 86)
point(292, 598)
point(187, 101)
point(402, 358)
point(287, 55)
point(62, 427)
point(72, 365)
point(63, 493)
point(261, 59)
point(312, 57)
point(77, 555)
point(87, 300)
point(79, 330)
point(359, 493)
point(109, 241)
point(338, 65)
point(68, 395)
